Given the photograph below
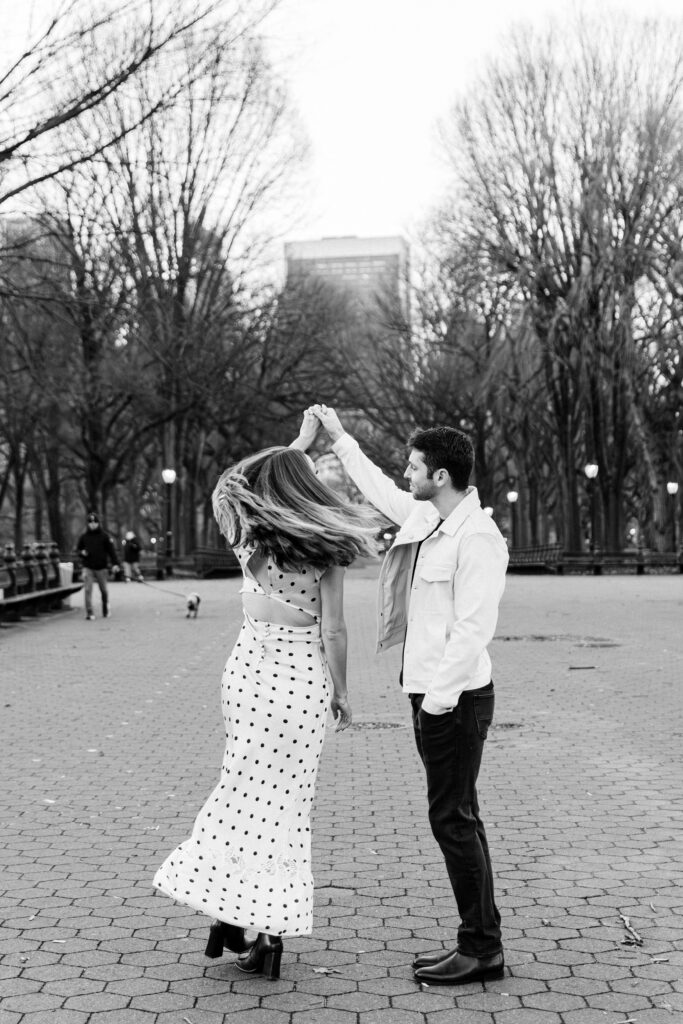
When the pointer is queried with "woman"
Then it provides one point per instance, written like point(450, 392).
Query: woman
point(247, 862)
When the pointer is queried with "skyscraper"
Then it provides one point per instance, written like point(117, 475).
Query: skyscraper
point(373, 271)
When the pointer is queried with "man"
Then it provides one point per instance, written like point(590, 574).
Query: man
point(440, 586)
point(97, 553)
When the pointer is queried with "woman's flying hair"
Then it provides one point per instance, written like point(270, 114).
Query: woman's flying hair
point(274, 499)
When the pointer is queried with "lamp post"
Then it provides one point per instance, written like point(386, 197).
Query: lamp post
point(672, 489)
point(591, 471)
point(169, 477)
point(512, 497)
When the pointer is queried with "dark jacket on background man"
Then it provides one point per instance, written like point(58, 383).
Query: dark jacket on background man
point(96, 549)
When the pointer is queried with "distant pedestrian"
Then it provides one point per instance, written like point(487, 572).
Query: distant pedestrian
point(97, 553)
point(131, 558)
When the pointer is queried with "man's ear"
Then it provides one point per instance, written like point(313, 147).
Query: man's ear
point(442, 477)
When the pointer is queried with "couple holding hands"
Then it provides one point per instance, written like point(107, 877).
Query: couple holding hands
point(247, 863)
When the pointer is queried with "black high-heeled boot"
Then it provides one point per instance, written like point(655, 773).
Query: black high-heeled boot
point(225, 936)
point(263, 957)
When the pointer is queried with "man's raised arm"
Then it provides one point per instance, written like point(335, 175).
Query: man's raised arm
point(380, 491)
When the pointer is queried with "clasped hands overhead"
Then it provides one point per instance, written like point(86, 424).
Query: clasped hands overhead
point(320, 415)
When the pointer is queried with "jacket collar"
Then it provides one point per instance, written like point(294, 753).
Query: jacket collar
point(426, 519)
point(461, 512)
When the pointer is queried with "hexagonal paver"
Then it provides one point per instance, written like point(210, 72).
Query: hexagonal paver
point(126, 1016)
point(158, 1002)
point(322, 1016)
point(136, 986)
point(228, 1004)
point(61, 1016)
point(527, 1016)
point(293, 1001)
point(73, 986)
point(32, 1002)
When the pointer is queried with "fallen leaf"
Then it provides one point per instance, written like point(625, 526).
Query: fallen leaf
point(544, 920)
point(326, 970)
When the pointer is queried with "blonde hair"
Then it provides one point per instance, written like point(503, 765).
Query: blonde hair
point(274, 499)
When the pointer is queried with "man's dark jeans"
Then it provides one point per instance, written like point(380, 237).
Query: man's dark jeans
point(451, 747)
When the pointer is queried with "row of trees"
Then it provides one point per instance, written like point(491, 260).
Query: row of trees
point(549, 316)
point(137, 332)
point(133, 334)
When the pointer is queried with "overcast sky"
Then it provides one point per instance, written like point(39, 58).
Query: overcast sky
point(370, 79)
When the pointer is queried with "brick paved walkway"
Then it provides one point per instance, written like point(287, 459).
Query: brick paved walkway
point(110, 737)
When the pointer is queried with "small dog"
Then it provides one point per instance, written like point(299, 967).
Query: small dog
point(193, 602)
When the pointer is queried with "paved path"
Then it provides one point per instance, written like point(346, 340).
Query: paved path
point(110, 740)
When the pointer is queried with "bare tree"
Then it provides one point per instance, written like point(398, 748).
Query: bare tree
point(84, 55)
point(150, 248)
point(570, 154)
point(179, 207)
point(35, 373)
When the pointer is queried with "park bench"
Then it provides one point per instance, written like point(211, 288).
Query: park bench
point(551, 558)
point(214, 562)
point(636, 561)
point(203, 562)
point(664, 560)
point(540, 558)
point(596, 562)
point(31, 583)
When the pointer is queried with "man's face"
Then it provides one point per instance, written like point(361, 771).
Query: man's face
point(93, 524)
point(421, 484)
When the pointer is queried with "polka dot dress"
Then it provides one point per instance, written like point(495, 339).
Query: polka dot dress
point(248, 860)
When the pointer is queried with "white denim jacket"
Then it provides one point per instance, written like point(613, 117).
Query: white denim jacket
point(447, 614)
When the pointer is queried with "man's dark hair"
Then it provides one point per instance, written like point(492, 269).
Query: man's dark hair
point(445, 448)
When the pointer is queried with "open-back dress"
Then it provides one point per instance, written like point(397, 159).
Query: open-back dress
point(248, 860)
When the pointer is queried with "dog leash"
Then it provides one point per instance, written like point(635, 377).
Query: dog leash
point(162, 590)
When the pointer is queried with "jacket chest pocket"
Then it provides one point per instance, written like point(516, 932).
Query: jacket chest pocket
point(435, 584)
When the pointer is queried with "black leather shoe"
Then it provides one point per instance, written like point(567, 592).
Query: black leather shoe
point(458, 969)
point(429, 959)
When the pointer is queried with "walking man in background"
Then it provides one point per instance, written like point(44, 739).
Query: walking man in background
point(97, 553)
point(440, 587)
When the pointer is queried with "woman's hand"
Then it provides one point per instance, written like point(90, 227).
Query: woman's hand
point(310, 425)
point(330, 421)
point(341, 709)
